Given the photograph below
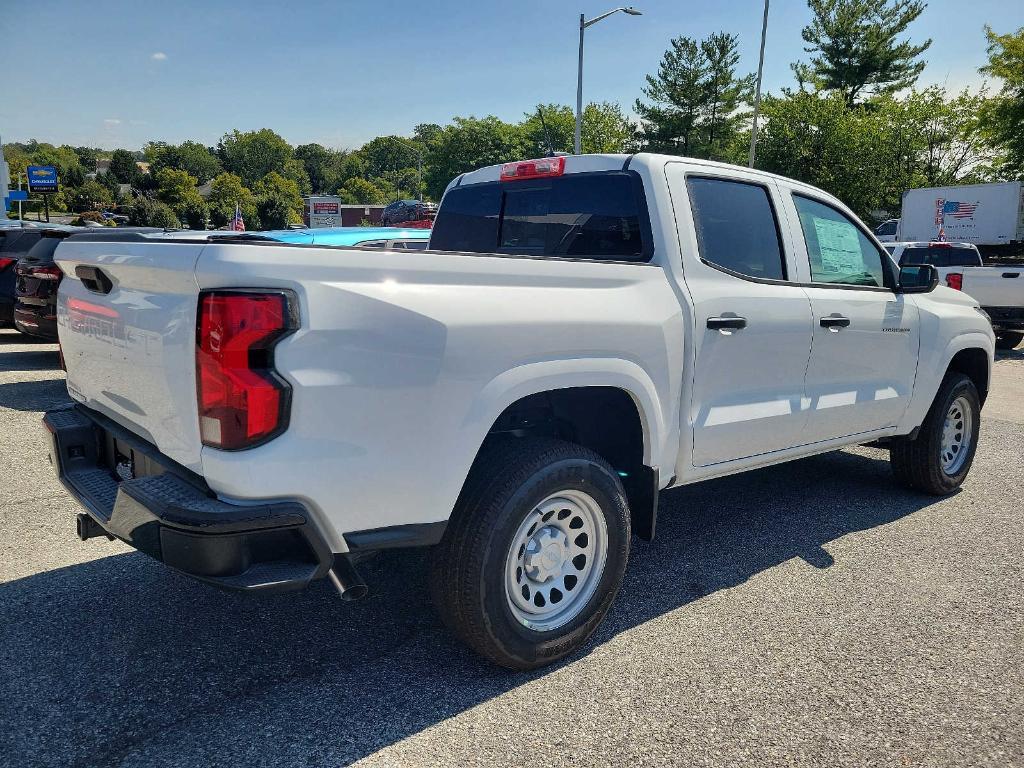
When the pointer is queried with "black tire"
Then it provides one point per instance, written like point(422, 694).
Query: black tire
point(917, 463)
point(467, 571)
point(1008, 339)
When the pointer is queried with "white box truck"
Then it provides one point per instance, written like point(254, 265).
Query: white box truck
point(983, 214)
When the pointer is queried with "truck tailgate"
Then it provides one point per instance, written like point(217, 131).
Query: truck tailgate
point(128, 337)
point(995, 286)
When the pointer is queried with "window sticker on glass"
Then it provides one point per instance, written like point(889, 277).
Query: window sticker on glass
point(840, 247)
point(837, 250)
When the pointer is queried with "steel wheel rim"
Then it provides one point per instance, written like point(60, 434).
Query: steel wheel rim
point(957, 433)
point(556, 560)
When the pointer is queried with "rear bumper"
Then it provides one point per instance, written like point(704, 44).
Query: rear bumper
point(1006, 318)
point(171, 515)
point(36, 321)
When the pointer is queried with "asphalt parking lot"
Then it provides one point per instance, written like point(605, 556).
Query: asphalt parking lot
point(808, 614)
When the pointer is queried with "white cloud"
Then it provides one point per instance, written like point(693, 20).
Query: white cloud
point(159, 56)
point(111, 121)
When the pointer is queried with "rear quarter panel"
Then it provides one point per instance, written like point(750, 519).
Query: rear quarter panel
point(404, 360)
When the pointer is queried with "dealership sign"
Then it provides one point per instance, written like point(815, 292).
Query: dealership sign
point(324, 211)
point(42, 178)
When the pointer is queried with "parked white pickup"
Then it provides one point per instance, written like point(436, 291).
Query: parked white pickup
point(583, 332)
point(998, 288)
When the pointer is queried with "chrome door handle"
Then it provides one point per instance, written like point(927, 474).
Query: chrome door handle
point(835, 322)
point(735, 323)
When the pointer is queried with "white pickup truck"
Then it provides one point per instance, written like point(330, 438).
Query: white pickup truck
point(582, 333)
point(998, 288)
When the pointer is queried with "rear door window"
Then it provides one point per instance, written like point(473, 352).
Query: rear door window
point(736, 228)
point(601, 216)
point(941, 256)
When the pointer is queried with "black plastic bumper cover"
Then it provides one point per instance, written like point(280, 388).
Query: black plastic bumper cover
point(175, 519)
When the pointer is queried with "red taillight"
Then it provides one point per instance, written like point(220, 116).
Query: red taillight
point(955, 280)
point(5, 262)
point(533, 169)
point(242, 401)
point(45, 273)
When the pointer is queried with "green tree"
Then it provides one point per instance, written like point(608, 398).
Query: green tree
point(605, 129)
point(296, 171)
point(345, 166)
point(694, 101)
point(226, 191)
point(855, 49)
point(87, 158)
point(254, 154)
point(145, 212)
point(112, 185)
point(90, 196)
point(868, 155)
point(18, 160)
point(177, 189)
point(278, 201)
point(189, 156)
point(469, 143)
point(196, 213)
point(1003, 117)
point(123, 167)
point(317, 161)
point(725, 93)
point(359, 191)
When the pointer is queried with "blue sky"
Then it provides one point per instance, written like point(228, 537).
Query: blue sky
point(111, 73)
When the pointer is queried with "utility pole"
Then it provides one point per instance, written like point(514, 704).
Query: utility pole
point(757, 94)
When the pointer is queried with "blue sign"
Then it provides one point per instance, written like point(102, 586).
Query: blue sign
point(42, 178)
point(17, 194)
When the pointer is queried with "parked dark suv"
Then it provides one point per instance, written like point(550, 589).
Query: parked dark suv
point(402, 211)
point(15, 242)
point(35, 307)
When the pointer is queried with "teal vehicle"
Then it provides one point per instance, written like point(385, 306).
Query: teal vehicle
point(368, 237)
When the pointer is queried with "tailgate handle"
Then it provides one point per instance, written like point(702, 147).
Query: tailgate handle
point(1011, 274)
point(94, 279)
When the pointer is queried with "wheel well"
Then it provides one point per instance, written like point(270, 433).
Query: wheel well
point(972, 363)
point(604, 419)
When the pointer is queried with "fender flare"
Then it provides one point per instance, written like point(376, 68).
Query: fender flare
point(533, 378)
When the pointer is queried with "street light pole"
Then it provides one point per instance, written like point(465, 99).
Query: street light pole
point(578, 142)
point(757, 94)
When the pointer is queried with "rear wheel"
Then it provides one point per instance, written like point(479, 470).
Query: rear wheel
point(534, 553)
point(938, 459)
point(1008, 339)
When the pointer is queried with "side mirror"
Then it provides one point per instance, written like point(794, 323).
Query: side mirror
point(918, 278)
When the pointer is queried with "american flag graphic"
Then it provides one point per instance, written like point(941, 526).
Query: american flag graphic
point(959, 210)
point(238, 223)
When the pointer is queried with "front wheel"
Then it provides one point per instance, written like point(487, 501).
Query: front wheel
point(534, 553)
point(938, 459)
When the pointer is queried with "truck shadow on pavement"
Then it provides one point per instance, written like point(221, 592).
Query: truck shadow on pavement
point(119, 661)
point(33, 395)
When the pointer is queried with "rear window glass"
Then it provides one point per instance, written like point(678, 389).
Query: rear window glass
point(42, 252)
point(19, 241)
point(941, 256)
point(587, 216)
point(886, 228)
